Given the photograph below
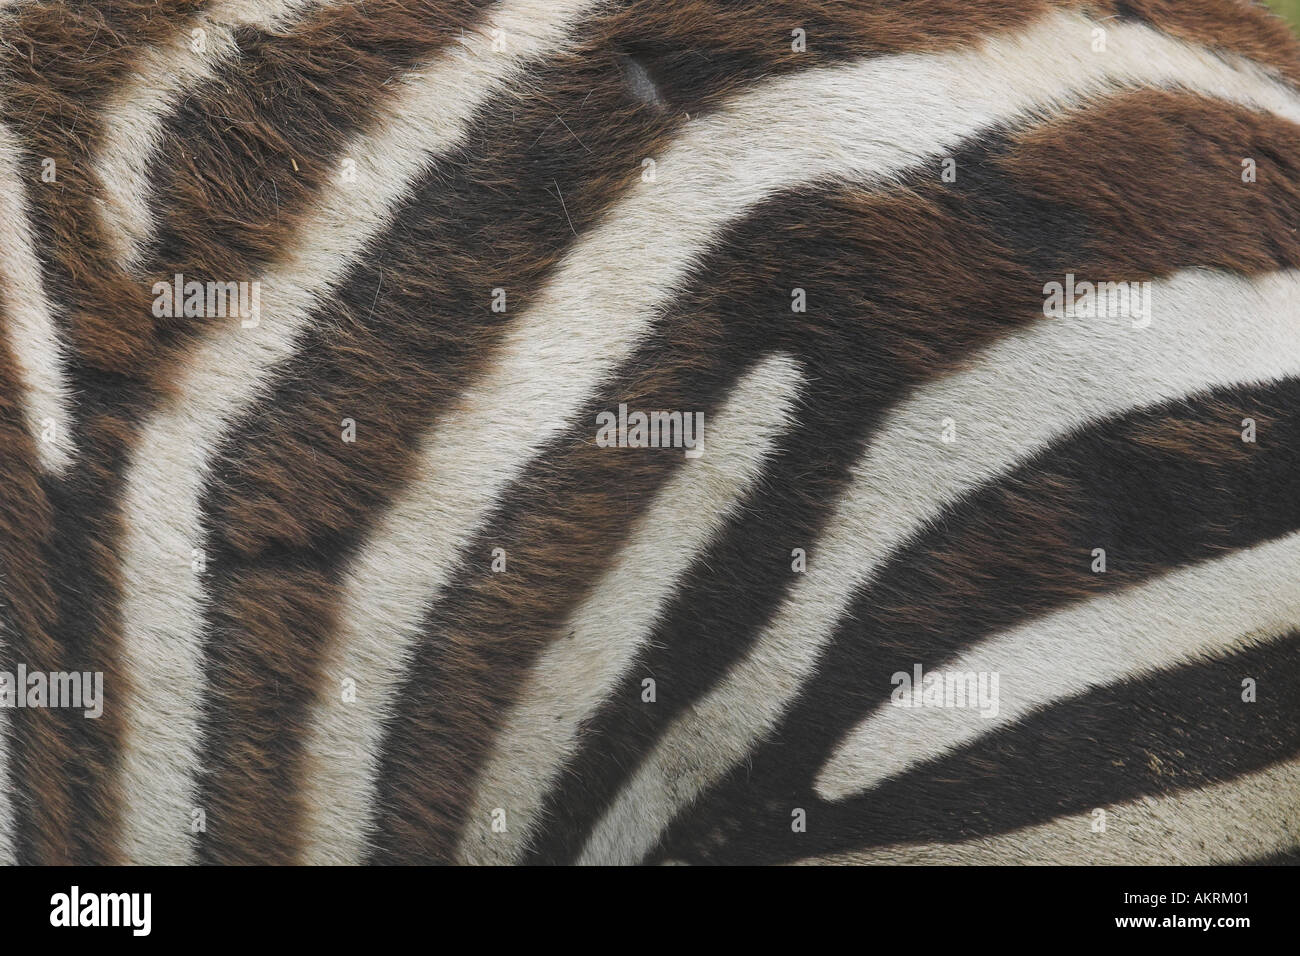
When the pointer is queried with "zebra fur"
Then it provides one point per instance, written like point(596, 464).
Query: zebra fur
point(365, 586)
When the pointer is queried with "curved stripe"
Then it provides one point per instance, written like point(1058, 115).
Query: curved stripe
point(609, 288)
point(33, 337)
point(1255, 814)
point(162, 602)
point(1206, 329)
point(1201, 610)
point(35, 750)
point(603, 634)
point(34, 742)
point(67, 58)
point(570, 511)
point(399, 342)
point(133, 117)
point(1046, 193)
point(1175, 730)
point(1161, 487)
point(228, 149)
point(212, 222)
point(281, 533)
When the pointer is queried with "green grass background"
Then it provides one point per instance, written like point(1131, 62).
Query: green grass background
point(1290, 9)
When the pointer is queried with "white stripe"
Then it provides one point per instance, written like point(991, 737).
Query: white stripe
point(28, 327)
point(1206, 609)
point(136, 111)
point(603, 635)
point(866, 120)
point(162, 604)
point(1252, 816)
point(1020, 395)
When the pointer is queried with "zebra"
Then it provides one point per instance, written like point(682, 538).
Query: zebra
point(985, 545)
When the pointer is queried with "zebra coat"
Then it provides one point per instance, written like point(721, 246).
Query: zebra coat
point(616, 431)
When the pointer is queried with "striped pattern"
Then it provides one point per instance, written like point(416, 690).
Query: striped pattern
point(366, 585)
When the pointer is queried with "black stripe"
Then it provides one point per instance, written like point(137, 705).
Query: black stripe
point(1016, 182)
point(407, 332)
point(1018, 548)
point(1182, 728)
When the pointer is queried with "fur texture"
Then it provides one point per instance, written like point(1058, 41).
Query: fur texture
point(364, 585)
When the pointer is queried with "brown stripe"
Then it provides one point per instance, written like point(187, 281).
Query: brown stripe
point(65, 58)
point(565, 519)
point(455, 697)
point(112, 326)
point(685, 46)
point(396, 346)
point(561, 526)
point(323, 419)
point(561, 157)
point(68, 57)
point(237, 169)
point(1160, 175)
point(1046, 195)
point(330, 73)
point(1158, 489)
point(212, 226)
point(40, 747)
point(1179, 731)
